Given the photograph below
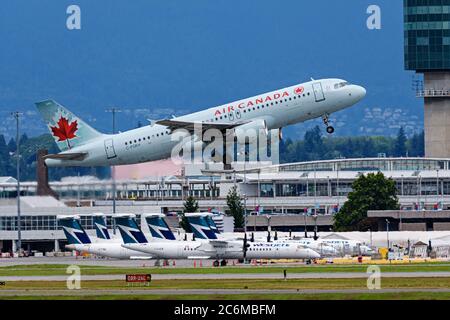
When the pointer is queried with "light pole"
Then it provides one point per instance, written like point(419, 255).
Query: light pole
point(387, 232)
point(419, 191)
point(113, 111)
point(306, 231)
point(245, 213)
point(17, 116)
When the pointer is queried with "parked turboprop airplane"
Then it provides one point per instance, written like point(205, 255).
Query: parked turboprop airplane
point(203, 227)
point(134, 239)
point(79, 240)
point(82, 145)
point(343, 246)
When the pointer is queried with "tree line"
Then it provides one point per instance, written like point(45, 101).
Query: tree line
point(315, 146)
point(28, 149)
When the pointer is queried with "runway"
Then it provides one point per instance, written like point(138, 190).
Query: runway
point(230, 276)
point(91, 261)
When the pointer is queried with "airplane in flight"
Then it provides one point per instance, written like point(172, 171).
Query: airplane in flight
point(134, 239)
point(82, 145)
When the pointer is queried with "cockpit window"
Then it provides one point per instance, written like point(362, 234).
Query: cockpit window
point(341, 84)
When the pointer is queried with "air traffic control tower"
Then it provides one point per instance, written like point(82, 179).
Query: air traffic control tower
point(427, 51)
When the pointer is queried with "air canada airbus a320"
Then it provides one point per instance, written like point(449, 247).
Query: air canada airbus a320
point(81, 145)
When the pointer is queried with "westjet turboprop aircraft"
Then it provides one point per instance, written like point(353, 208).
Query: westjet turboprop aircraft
point(203, 227)
point(134, 239)
point(343, 246)
point(79, 240)
point(82, 145)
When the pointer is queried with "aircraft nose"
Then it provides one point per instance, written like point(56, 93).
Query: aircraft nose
point(70, 247)
point(313, 254)
point(360, 92)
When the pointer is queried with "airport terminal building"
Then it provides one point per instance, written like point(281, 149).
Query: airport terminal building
point(288, 194)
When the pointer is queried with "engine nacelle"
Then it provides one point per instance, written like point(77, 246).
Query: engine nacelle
point(251, 131)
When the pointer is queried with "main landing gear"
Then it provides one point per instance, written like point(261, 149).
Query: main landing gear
point(330, 129)
point(221, 263)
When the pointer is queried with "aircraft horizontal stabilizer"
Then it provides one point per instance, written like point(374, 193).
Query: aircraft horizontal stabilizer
point(79, 156)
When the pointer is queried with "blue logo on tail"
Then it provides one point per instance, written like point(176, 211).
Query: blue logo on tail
point(74, 232)
point(159, 228)
point(129, 230)
point(212, 224)
point(100, 227)
point(201, 228)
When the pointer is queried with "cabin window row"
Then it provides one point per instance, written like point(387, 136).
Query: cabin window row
point(262, 106)
point(146, 138)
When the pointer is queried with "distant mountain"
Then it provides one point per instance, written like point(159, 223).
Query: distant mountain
point(158, 58)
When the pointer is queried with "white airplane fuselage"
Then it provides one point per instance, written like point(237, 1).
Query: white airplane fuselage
point(110, 250)
point(230, 250)
point(342, 246)
point(275, 110)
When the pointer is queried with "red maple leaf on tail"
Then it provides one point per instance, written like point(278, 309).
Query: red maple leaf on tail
point(64, 130)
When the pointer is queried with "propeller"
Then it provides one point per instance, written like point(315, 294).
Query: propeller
point(276, 236)
point(268, 236)
point(193, 237)
point(245, 247)
point(252, 239)
point(185, 237)
point(315, 235)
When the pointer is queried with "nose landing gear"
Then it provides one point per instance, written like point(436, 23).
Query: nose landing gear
point(325, 118)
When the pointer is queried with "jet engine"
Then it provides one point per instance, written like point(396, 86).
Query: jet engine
point(251, 131)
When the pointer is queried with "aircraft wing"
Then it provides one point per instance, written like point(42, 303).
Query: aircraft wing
point(190, 126)
point(67, 156)
point(218, 243)
point(199, 257)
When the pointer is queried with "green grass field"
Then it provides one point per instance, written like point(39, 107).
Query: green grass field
point(318, 296)
point(300, 284)
point(48, 269)
point(107, 290)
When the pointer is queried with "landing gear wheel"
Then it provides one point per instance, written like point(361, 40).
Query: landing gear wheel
point(216, 263)
point(326, 121)
point(223, 263)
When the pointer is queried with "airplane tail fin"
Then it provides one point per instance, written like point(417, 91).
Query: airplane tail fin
point(67, 129)
point(129, 230)
point(73, 230)
point(101, 228)
point(158, 227)
point(212, 224)
point(200, 227)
